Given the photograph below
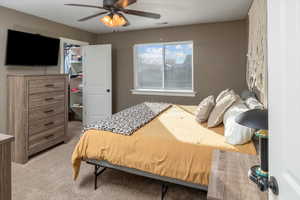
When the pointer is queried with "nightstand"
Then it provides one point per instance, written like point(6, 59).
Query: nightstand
point(229, 177)
point(5, 166)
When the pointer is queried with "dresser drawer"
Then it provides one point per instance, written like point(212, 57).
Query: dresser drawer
point(46, 99)
point(35, 127)
point(46, 139)
point(49, 85)
point(45, 112)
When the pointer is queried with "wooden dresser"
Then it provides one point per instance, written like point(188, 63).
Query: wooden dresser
point(229, 177)
point(5, 166)
point(37, 113)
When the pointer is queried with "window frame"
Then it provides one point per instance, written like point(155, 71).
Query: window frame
point(162, 92)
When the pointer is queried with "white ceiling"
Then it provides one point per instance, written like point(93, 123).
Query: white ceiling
point(175, 12)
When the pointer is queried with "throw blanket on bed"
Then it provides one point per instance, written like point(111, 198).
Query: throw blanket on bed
point(129, 120)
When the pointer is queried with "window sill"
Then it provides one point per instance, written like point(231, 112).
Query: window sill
point(164, 92)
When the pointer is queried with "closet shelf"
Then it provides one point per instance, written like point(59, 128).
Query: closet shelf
point(77, 106)
point(76, 62)
point(76, 90)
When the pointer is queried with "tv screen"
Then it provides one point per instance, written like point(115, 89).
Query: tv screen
point(31, 49)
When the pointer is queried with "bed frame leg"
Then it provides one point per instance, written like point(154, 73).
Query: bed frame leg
point(95, 173)
point(98, 173)
point(164, 190)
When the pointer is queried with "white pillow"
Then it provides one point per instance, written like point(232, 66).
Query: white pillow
point(235, 133)
point(223, 94)
point(216, 116)
point(204, 109)
point(253, 103)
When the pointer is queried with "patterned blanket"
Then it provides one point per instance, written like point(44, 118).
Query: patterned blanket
point(129, 120)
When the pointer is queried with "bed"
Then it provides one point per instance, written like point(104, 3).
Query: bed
point(172, 148)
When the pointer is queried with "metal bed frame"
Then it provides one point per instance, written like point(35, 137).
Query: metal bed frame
point(101, 166)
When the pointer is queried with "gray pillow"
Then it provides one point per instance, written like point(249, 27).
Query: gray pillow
point(246, 94)
point(204, 109)
point(216, 116)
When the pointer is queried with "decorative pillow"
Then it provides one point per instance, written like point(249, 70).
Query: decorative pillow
point(204, 109)
point(253, 103)
point(246, 94)
point(223, 94)
point(235, 133)
point(216, 116)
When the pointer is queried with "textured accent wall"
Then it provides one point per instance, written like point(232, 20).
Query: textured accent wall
point(257, 50)
point(220, 51)
point(12, 19)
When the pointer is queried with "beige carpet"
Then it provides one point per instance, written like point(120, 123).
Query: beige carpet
point(48, 176)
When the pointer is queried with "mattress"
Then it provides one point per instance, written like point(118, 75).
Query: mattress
point(173, 145)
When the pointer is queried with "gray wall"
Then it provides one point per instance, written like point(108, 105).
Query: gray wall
point(219, 59)
point(11, 19)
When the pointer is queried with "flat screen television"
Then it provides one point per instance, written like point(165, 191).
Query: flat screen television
point(28, 49)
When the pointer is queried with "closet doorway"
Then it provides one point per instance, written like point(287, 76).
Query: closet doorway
point(71, 64)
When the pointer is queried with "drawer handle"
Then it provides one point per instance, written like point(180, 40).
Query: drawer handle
point(49, 111)
point(49, 85)
point(49, 99)
point(49, 137)
point(49, 124)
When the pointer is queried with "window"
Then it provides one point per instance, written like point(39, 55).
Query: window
point(164, 68)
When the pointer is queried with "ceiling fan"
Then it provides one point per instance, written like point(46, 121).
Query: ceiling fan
point(115, 10)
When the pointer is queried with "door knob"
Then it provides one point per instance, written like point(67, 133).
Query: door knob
point(273, 185)
point(108, 90)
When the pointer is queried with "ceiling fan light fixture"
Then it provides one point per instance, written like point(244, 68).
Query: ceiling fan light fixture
point(113, 20)
point(117, 10)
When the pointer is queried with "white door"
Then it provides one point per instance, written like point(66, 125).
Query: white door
point(284, 96)
point(96, 83)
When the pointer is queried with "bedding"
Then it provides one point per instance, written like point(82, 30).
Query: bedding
point(234, 132)
point(223, 94)
point(204, 109)
point(217, 114)
point(173, 145)
point(247, 94)
point(130, 119)
point(253, 103)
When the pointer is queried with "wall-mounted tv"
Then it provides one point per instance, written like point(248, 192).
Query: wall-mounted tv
point(28, 49)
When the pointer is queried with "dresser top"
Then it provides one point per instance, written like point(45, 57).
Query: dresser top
point(32, 75)
point(229, 177)
point(5, 138)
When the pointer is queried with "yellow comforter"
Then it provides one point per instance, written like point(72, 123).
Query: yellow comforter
point(172, 145)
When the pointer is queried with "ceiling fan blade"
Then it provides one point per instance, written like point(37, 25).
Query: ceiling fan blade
point(92, 16)
point(124, 3)
point(141, 13)
point(127, 22)
point(82, 5)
